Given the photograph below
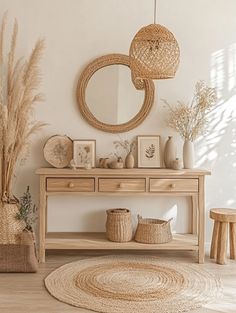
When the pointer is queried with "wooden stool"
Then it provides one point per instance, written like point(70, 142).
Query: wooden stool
point(223, 217)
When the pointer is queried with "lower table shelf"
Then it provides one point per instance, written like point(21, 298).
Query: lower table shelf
point(98, 241)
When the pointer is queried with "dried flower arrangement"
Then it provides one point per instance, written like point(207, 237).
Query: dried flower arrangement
point(190, 120)
point(125, 145)
point(19, 80)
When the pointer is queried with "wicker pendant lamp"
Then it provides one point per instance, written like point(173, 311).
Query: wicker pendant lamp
point(154, 53)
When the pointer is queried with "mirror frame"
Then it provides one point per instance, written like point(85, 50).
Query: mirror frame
point(90, 69)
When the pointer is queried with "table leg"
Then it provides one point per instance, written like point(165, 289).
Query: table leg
point(194, 214)
point(232, 236)
point(42, 218)
point(201, 221)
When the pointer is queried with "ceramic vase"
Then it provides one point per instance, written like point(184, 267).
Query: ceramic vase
point(169, 152)
point(188, 154)
point(129, 160)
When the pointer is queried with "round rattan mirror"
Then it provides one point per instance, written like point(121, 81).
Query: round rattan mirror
point(107, 98)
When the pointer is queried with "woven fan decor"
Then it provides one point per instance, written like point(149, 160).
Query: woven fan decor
point(154, 53)
point(133, 284)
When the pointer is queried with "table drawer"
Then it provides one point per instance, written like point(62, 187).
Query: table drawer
point(173, 185)
point(122, 185)
point(71, 184)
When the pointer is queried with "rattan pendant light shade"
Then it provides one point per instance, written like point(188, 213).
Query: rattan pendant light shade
point(154, 53)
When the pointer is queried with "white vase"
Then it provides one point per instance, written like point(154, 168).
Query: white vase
point(169, 152)
point(188, 154)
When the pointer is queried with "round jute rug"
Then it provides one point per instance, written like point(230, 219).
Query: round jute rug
point(128, 284)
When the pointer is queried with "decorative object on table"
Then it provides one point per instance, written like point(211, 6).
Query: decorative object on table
point(149, 151)
point(84, 153)
point(58, 151)
point(154, 52)
point(133, 283)
point(104, 162)
point(190, 120)
point(151, 230)
point(119, 225)
point(177, 164)
point(129, 160)
point(128, 147)
point(188, 154)
point(88, 165)
point(117, 164)
point(169, 152)
point(222, 218)
point(21, 79)
point(72, 165)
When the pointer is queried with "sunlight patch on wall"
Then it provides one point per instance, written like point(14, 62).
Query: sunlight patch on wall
point(220, 130)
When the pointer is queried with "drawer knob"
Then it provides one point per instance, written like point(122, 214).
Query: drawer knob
point(71, 185)
point(121, 185)
point(172, 186)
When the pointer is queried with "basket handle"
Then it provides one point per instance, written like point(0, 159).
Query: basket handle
point(166, 222)
point(139, 217)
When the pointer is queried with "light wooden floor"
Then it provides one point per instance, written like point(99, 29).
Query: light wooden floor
point(26, 293)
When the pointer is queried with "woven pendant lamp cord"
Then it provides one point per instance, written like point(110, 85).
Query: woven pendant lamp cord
point(155, 11)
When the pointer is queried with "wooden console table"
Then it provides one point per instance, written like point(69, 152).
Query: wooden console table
point(143, 182)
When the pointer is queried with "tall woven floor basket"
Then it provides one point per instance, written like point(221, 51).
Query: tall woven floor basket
point(119, 225)
point(10, 226)
point(17, 246)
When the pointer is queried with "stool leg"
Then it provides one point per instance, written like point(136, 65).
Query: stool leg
point(214, 240)
point(222, 243)
point(232, 236)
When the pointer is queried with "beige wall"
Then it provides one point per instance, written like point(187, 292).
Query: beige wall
point(76, 31)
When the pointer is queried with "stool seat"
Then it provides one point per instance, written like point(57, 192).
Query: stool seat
point(222, 218)
point(223, 215)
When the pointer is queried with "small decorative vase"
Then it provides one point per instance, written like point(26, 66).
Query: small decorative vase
point(169, 152)
point(188, 154)
point(129, 160)
point(177, 164)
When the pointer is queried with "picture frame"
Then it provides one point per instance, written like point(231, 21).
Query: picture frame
point(84, 153)
point(149, 155)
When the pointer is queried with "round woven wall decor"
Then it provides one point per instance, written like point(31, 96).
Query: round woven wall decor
point(154, 53)
point(128, 284)
point(58, 151)
point(90, 69)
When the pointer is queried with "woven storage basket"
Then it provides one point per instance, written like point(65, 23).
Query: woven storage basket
point(119, 225)
point(21, 257)
point(150, 230)
point(10, 226)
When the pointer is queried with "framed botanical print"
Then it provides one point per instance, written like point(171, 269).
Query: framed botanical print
point(84, 153)
point(149, 151)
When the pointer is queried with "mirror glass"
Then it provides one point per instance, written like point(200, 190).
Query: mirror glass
point(111, 96)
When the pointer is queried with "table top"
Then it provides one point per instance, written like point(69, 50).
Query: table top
point(123, 172)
